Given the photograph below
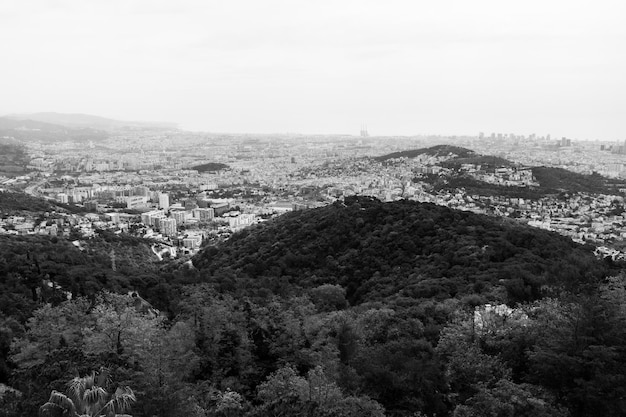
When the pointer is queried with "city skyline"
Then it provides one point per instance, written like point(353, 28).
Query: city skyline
point(402, 68)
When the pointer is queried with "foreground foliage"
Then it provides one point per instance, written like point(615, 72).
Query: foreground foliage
point(400, 310)
point(88, 397)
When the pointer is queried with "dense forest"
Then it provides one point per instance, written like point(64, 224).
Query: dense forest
point(378, 250)
point(210, 167)
point(13, 158)
point(360, 308)
point(437, 150)
point(12, 203)
point(559, 179)
point(551, 180)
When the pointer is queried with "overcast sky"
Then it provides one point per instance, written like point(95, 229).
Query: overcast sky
point(402, 67)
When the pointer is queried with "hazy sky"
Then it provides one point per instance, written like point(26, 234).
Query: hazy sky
point(402, 67)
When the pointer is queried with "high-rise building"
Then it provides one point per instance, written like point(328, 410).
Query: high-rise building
point(149, 218)
point(137, 201)
point(164, 201)
point(203, 213)
point(168, 226)
point(180, 216)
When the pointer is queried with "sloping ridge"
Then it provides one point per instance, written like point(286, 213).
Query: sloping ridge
point(438, 150)
point(28, 130)
point(378, 250)
point(77, 120)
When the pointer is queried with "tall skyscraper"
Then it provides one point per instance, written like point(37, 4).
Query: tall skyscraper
point(164, 201)
point(364, 132)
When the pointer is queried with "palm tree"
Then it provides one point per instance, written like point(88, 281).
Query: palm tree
point(89, 398)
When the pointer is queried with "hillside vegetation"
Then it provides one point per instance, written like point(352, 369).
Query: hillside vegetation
point(13, 159)
point(360, 308)
point(551, 180)
point(15, 203)
point(210, 167)
point(559, 179)
point(381, 250)
point(438, 150)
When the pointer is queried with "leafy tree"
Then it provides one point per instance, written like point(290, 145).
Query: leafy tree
point(329, 297)
point(580, 352)
point(316, 394)
point(120, 327)
point(167, 365)
point(49, 329)
point(88, 396)
point(506, 398)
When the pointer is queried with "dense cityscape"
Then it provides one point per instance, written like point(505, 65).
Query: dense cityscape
point(181, 188)
point(274, 265)
point(312, 209)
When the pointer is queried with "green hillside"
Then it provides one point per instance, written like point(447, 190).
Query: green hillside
point(378, 251)
point(358, 309)
point(438, 150)
point(13, 159)
point(559, 179)
point(210, 167)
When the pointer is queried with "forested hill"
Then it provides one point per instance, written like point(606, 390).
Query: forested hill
point(438, 150)
point(13, 158)
point(551, 180)
point(269, 331)
point(402, 249)
point(559, 179)
point(210, 167)
point(12, 203)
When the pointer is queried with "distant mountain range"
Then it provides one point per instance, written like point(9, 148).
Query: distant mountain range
point(32, 130)
point(58, 127)
point(88, 121)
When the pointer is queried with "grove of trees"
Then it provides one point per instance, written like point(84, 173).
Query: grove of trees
point(356, 309)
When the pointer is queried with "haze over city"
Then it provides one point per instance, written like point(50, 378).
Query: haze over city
point(312, 208)
point(402, 67)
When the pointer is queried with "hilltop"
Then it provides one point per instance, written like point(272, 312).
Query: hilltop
point(438, 150)
point(549, 180)
point(210, 167)
point(559, 179)
point(401, 249)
